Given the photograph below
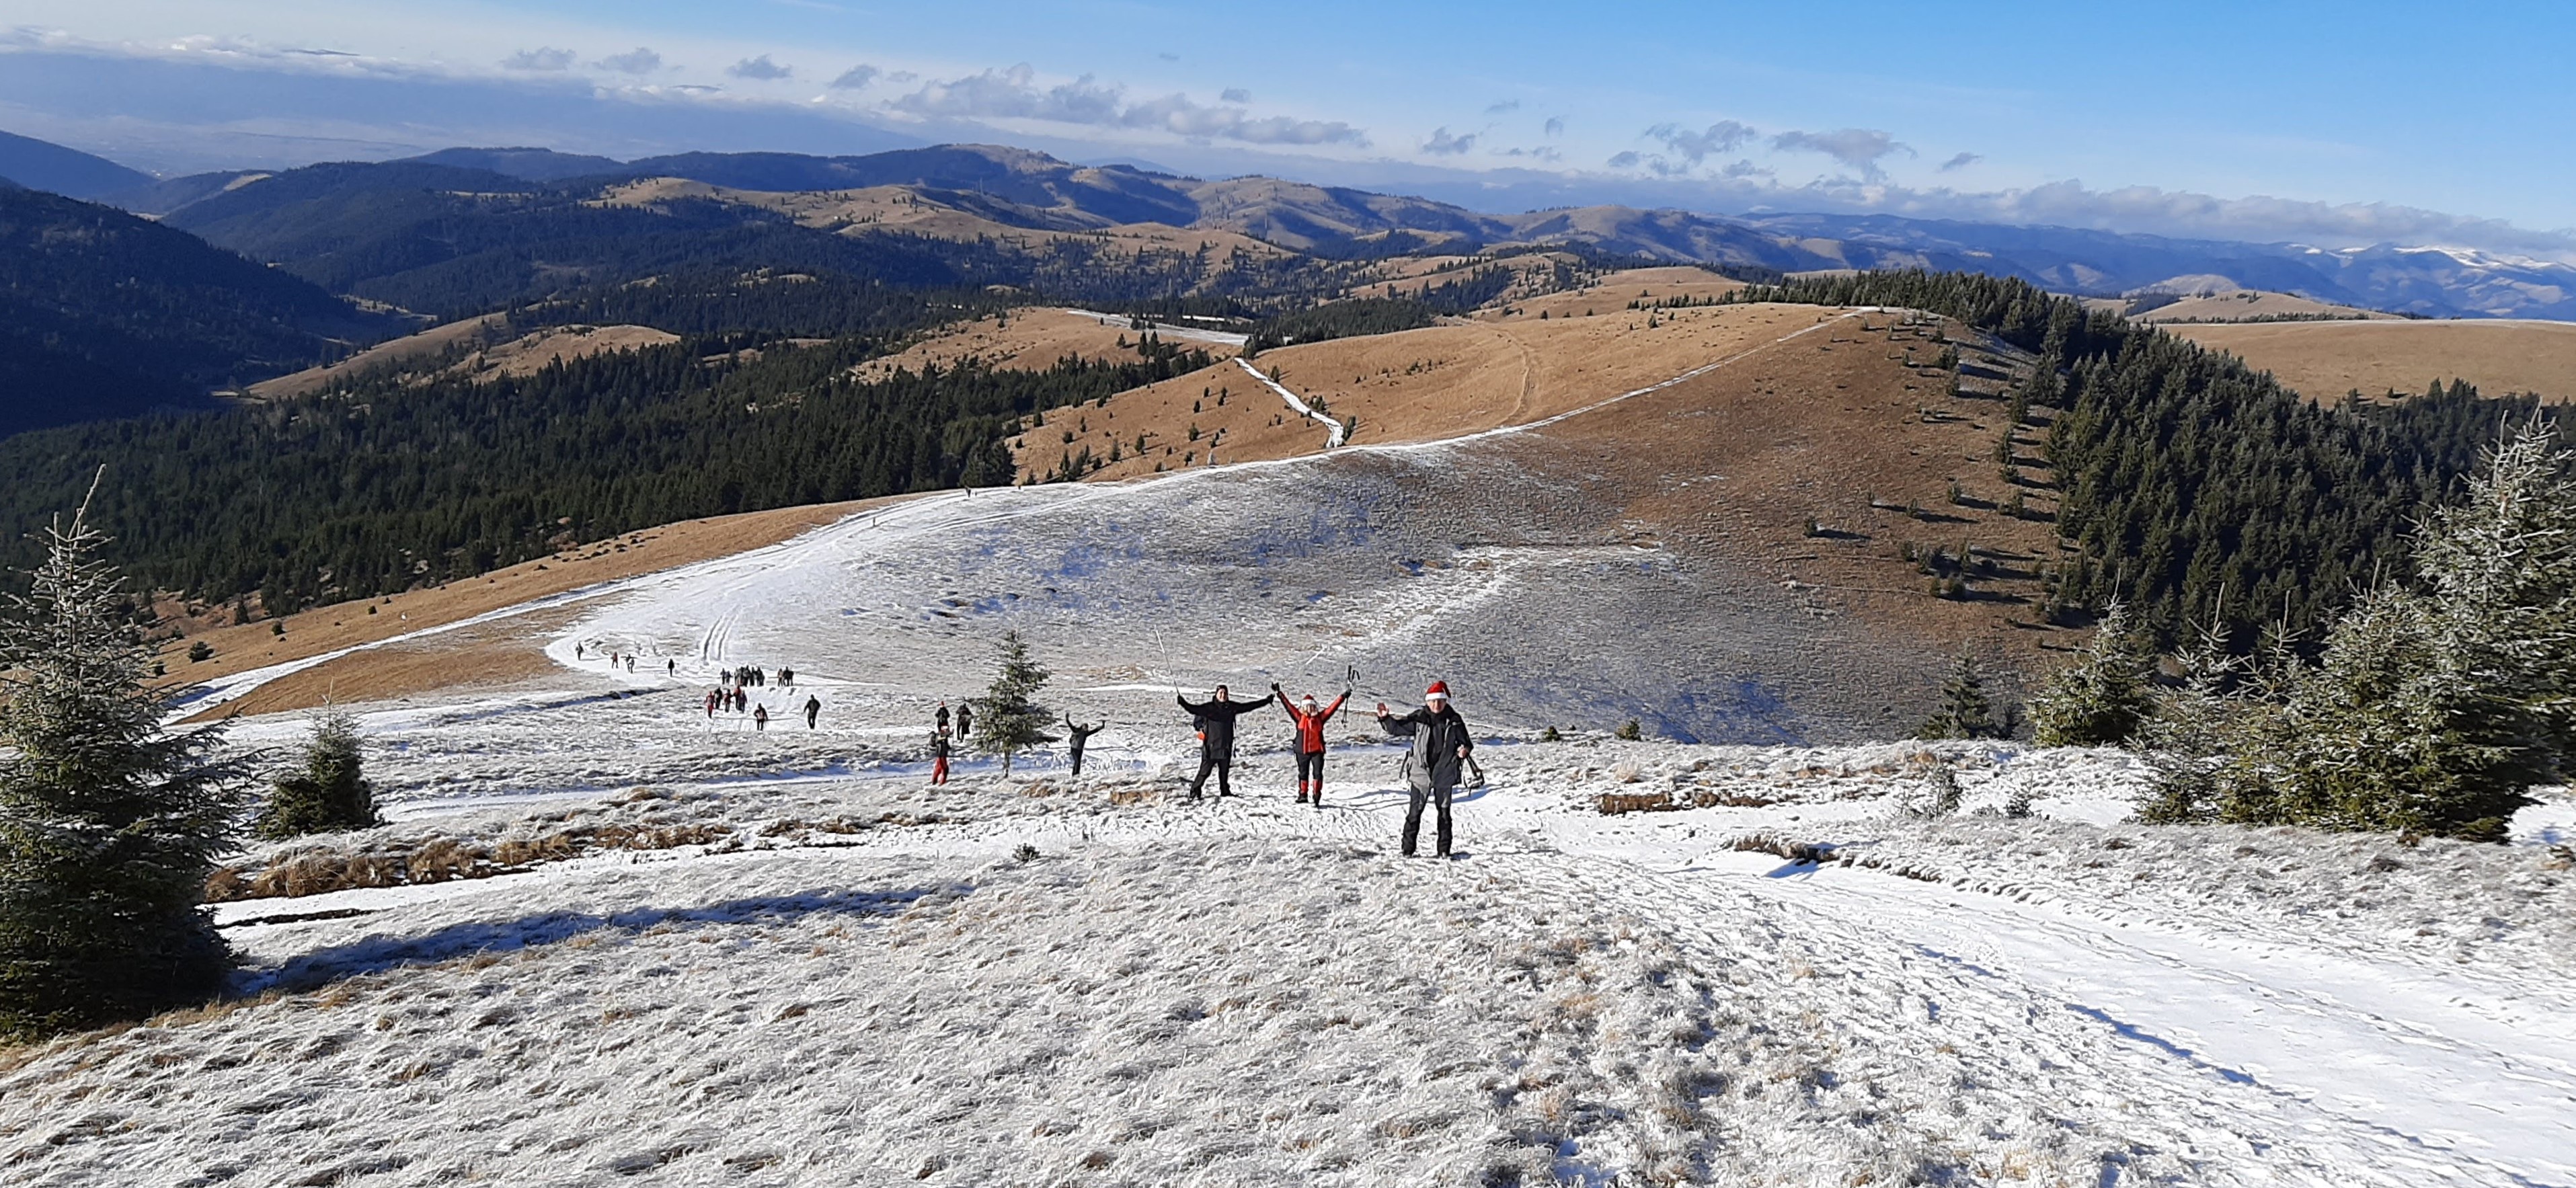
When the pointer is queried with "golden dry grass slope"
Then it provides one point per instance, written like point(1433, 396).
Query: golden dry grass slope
point(1811, 416)
point(1030, 338)
point(464, 657)
point(476, 348)
point(2326, 360)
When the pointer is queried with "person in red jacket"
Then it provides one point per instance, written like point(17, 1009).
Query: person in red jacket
point(1310, 741)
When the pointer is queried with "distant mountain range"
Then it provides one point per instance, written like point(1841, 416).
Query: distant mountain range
point(1020, 188)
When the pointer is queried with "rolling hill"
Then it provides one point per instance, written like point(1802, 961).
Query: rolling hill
point(2328, 359)
point(43, 165)
point(107, 315)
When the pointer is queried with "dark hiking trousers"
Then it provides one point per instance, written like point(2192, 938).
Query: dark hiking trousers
point(1310, 768)
point(1222, 765)
point(1413, 818)
point(1077, 761)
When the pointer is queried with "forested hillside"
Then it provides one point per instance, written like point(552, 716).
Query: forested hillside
point(2199, 490)
point(103, 314)
point(382, 486)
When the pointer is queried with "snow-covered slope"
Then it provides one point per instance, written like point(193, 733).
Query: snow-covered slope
point(868, 980)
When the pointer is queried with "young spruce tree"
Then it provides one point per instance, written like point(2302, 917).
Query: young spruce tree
point(1966, 711)
point(2100, 700)
point(108, 822)
point(1008, 719)
point(330, 793)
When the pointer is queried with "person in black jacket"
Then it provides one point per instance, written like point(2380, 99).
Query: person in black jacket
point(965, 718)
point(1215, 720)
point(1077, 736)
point(1440, 750)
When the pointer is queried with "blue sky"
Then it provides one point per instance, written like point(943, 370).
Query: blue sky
point(2350, 122)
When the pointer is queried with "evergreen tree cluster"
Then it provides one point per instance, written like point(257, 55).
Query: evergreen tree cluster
point(384, 486)
point(2200, 490)
point(2432, 709)
point(1341, 319)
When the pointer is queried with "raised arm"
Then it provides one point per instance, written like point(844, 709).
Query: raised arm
point(1402, 727)
point(1334, 708)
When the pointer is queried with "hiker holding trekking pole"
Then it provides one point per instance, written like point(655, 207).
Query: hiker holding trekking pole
point(1441, 754)
point(1310, 740)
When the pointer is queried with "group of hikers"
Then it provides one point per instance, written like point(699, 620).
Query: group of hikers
point(1443, 753)
point(733, 692)
point(1442, 756)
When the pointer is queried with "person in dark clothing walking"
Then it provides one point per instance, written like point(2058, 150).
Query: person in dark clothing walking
point(1310, 741)
point(1215, 718)
point(1078, 736)
point(939, 756)
point(1440, 755)
point(942, 717)
point(760, 716)
point(740, 699)
point(965, 719)
point(813, 710)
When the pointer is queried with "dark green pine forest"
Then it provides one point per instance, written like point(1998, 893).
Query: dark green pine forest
point(2199, 491)
point(382, 486)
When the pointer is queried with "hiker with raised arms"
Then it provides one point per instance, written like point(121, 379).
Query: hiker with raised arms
point(1214, 719)
point(1310, 740)
point(1440, 755)
point(1076, 737)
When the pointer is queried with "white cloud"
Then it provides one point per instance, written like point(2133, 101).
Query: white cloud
point(856, 77)
point(760, 68)
point(1442, 144)
point(635, 61)
point(1959, 162)
point(1015, 94)
point(1507, 105)
point(1235, 95)
point(1724, 136)
point(1625, 160)
point(1860, 148)
point(541, 58)
point(1555, 126)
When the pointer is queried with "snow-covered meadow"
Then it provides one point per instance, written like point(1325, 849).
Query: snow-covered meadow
point(821, 970)
point(608, 937)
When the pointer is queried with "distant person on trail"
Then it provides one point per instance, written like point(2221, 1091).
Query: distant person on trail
point(1078, 736)
point(787, 677)
point(715, 697)
point(942, 717)
point(576, 652)
point(1215, 720)
point(630, 664)
point(740, 699)
point(1440, 754)
point(670, 668)
point(1310, 740)
point(939, 756)
point(760, 716)
point(813, 710)
point(966, 719)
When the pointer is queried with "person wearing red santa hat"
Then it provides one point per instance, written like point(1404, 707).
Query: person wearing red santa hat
point(1440, 751)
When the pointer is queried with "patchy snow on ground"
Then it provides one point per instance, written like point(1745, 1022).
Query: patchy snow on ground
point(823, 976)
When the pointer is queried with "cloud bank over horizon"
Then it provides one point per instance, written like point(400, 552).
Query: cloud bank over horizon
point(198, 103)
